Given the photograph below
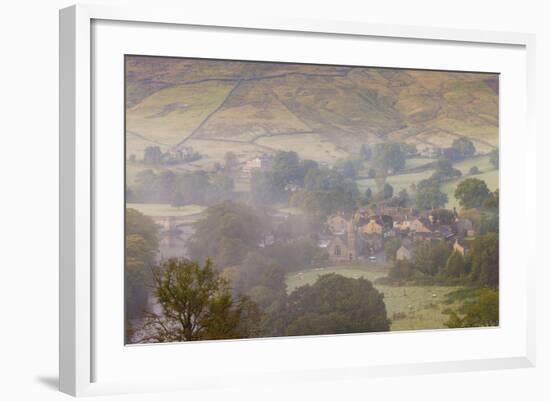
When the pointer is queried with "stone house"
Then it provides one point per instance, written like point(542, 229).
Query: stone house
point(337, 224)
point(260, 162)
point(460, 247)
point(404, 253)
point(374, 226)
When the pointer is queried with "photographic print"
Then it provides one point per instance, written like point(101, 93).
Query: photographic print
point(271, 199)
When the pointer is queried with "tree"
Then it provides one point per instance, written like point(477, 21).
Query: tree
point(474, 170)
point(401, 200)
point(409, 149)
point(335, 305)
point(485, 260)
point(443, 216)
point(141, 245)
point(387, 193)
point(484, 312)
point(368, 196)
point(430, 197)
point(444, 170)
point(472, 193)
point(152, 155)
point(493, 157)
point(492, 201)
point(141, 249)
point(193, 188)
point(455, 266)
point(389, 156)
point(464, 147)
point(259, 270)
point(196, 304)
point(390, 248)
point(325, 192)
point(226, 234)
point(365, 152)
point(430, 258)
point(230, 161)
point(402, 270)
point(348, 168)
point(220, 188)
point(287, 169)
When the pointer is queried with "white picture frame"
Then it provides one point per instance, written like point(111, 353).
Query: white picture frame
point(80, 217)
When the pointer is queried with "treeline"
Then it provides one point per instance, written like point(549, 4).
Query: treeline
point(230, 231)
point(179, 189)
point(238, 288)
point(320, 191)
point(141, 245)
point(437, 262)
point(197, 303)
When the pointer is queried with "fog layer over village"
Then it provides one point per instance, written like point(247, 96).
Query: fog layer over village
point(268, 200)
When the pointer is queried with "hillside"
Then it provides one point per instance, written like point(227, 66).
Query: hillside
point(322, 112)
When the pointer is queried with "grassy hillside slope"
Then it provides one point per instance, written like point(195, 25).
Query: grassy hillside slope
point(172, 102)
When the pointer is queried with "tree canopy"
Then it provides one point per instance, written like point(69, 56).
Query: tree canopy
point(430, 197)
point(326, 191)
point(483, 312)
point(336, 304)
point(196, 304)
point(485, 260)
point(141, 250)
point(227, 232)
point(472, 193)
point(389, 156)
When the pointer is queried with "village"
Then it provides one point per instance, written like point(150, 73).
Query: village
point(286, 199)
point(361, 236)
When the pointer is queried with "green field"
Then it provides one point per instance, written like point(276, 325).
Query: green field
point(403, 181)
point(415, 162)
point(170, 100)
point(170, 115)
point(308, 146)
point(164, 210)
point(409, 307)
point(398, 182)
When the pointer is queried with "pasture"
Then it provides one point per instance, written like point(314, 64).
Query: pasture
point(403, 181)
point(308, 146)
point(164, 210)
point(409, 307)
point(172, 114)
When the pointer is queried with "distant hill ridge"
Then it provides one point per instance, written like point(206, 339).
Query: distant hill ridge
point(174, 101)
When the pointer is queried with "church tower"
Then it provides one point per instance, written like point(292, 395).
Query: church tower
point(352, 243)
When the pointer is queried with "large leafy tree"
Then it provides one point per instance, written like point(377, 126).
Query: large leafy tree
point(325, 192)
point(226, 234)
point(429, 257)
point(485, 260)
point(196, 304)
point(333, 305)
point(455, 266)
point(430, 197)
point(472, 193)
point(141, 245)
point(152, 155)
point(389, 156)
point(483, 312)
point(444, 170)
point(464, 147)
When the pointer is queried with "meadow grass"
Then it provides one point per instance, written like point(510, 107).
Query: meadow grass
point(403, 181)
point(308, 146)
point(165, 210)
point(410, 307)
point(152, 118)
